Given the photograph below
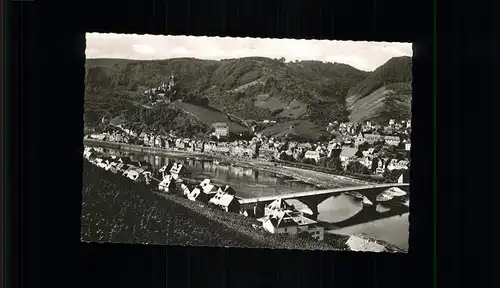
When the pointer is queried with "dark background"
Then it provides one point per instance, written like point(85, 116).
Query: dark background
point(46, 71)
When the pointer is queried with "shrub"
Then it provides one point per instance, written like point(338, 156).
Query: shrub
point(392, 176)
point(358, 168)
point(309, 161)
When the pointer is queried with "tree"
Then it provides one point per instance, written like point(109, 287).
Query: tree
point(132, 85)
point(375, 162)
point(357, 168)
point(309, 161)
point(335, 163)
point(238, 95)
point(364, 146)
point(285, 146)
point(285, 157)
point(324, 138)
point(392, 176)
point(323, 162)
point(204, 101)
point(277, 111)
point(301, 156)
point(91, 117)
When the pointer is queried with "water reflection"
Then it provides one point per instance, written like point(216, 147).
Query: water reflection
point(394, 230)
point(246, 181)
point(250, 183)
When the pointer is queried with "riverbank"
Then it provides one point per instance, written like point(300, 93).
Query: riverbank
point(320, 179)
point(115, 209)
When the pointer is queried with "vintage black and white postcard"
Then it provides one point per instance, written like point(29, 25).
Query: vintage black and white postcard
point(247, 142)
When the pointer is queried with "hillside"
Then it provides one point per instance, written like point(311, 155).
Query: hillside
point(392, 101)
point(396, 70)
point(298, 129)
point(385, 93)
point(209, 116)
point(164, 119)
point(252, 88)
point(266, 88)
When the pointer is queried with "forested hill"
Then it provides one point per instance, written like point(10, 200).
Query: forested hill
point(386, 93)
point(248, 88)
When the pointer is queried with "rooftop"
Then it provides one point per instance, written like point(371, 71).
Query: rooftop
point(222, 199)
point(348, 152)
point(220, 125)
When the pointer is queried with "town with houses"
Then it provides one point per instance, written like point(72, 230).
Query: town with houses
point(277, 217)
point(362, 144)
point(307, 160)
point(350, 143)
point(366, 144)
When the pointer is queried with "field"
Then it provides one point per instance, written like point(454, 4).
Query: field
point(209, 116)
point(115, 209)
point(302, 128)
point(394, 98)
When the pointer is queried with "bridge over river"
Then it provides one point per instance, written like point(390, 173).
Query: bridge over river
point(313, 198)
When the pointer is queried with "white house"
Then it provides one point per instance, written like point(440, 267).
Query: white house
point(397, 165)
point(133, 174)
point(208, 187)
point(157, 141)
point(228, 190)
point(280, 223)
point(392, 140)
point(179, 144)
point(359, 139)
point(221, 129)
point(311, 154)
point(98, 136)
point(178, 170)
point(371, 138)
point(186, 190)
point(292, 223)
point(316, 231)
point(227, 202)
point(276, 206)
point(198, 195)
point(407, 146)
point(167, 184)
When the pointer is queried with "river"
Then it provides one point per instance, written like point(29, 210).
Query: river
point(249, 183)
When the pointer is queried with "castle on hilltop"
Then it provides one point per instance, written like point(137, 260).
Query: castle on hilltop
point(163, 92)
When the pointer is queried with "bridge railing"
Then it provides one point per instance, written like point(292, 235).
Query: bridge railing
point(322, 191)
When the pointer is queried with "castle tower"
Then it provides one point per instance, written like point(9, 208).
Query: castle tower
point(171, 82)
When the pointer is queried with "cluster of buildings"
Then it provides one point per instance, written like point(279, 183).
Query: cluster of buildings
point(277, 217)
point(159, 94)
point(283, 218)
point(221, 130)
point(133, 170)
point(115, 136)
point(374, 161)
point(353, 128)
point(360, 147)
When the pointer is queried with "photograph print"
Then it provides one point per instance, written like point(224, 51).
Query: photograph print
point(247, 142)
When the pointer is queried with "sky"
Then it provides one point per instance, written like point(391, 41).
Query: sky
point(365, 56)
